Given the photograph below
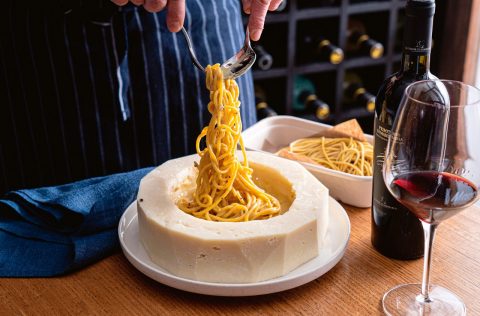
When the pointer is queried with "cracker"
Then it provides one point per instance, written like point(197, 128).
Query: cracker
point(347, 129)
point(286, 153)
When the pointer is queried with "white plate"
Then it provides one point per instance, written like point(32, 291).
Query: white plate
point(330, 254)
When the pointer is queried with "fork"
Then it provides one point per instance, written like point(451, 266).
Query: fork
point(235, 66)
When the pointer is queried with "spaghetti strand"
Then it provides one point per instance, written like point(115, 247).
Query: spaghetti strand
point(342, 154)
point(225, 190)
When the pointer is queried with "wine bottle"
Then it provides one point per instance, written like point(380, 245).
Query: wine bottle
point(359, 42)
point(321, 49)
point(354, 93)
point(305, 99)
point(396, 232)
point(264, 59)
point(263, 109)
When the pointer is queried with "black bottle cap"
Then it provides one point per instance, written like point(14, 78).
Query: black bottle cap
point(264, 59)
point(418, 25)
point(331, 53)
point(367, 101)
point(317, 107)
point(420, 7)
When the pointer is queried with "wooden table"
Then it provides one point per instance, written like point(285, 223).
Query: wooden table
point(353, 287)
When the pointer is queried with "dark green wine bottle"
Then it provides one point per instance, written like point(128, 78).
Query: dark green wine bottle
point(321, 49)
point(305, 99)
point(359, 42)
point(355, 94)
point(396, 232)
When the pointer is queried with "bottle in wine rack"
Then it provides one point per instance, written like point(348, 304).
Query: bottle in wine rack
point(354, 93)
point(282, 6)
point(359, 42)
point(396, 232)
point(305, 99)
point(321, 49)
point(264, 59)
point(263, 109)
point(326, 3)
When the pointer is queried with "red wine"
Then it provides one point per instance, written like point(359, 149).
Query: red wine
point(433, 196)
point(396, 232)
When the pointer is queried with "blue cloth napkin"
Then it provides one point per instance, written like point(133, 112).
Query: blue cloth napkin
point(54, 230)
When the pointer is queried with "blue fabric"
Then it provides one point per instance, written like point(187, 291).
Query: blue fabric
point(54, 230)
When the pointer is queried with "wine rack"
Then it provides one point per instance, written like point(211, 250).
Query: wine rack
point(283, 29)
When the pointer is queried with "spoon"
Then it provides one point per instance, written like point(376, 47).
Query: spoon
point(234, 67)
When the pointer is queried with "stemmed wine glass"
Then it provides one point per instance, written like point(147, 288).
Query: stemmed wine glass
point(432, 166)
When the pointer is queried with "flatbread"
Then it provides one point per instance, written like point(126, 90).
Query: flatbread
point(347, 129)
point(286, 153)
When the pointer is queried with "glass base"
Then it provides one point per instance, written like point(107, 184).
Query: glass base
point(406, 299)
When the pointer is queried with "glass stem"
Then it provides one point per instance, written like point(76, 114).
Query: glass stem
point(429, 231)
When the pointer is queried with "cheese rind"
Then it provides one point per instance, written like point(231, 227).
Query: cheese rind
point(231, 252)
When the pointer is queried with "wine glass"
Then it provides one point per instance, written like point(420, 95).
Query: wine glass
point(432, 166)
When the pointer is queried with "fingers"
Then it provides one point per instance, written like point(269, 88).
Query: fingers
point(175, 15)
point(155, 5)
point(137, 2)
point(274, 5)
point(120, 2)
point(258, 10)
point(149, 5)
point(247, 4)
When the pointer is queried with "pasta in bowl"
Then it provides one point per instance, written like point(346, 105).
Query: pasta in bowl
point(342, 154)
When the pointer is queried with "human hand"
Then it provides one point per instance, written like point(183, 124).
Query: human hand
point(258, 10)
point(175, 13)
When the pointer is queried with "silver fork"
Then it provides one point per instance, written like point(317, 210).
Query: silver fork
point(235, 66)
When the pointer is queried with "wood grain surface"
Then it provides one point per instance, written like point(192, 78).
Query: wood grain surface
point(353, 287)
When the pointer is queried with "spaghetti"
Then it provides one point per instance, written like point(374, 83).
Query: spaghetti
point(225, 190)
point(342, 154)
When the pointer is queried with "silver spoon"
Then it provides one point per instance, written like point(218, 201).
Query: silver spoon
point(233, 67)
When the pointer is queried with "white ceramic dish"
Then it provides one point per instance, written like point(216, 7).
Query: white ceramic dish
point(273, 133)
point(330, 254)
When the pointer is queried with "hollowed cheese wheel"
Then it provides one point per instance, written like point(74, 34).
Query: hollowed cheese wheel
point(231, 252)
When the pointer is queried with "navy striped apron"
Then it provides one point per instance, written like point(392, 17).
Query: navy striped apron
point(93, 89)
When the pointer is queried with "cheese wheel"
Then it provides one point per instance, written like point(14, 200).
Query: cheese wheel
point(232, 252)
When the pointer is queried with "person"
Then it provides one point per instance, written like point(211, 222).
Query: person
point(90, 88)
point(176, 12)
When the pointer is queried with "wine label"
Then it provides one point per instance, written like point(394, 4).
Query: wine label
point(383, 131)
point(381, 196)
